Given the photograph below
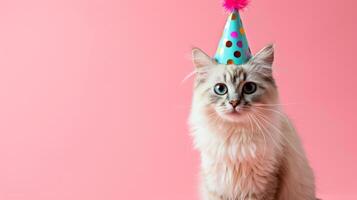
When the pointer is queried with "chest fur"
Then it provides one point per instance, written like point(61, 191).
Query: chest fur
point(239, 170)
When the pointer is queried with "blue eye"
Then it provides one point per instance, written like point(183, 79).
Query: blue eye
point(220, 89)
point(249, 88)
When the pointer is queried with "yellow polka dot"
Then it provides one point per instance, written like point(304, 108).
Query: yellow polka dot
point(241, 30)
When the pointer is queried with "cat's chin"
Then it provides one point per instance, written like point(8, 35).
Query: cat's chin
point(233, 116)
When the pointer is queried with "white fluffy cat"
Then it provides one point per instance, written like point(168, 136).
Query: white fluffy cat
point(249, 150)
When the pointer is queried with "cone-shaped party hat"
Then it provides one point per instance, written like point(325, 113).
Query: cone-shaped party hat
point(233, 47)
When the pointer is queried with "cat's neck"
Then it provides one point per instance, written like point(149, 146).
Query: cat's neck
point(227, 141)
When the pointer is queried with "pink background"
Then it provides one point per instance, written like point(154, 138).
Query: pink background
point(92, 105)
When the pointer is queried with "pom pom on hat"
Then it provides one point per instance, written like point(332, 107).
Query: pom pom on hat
point(231, 5)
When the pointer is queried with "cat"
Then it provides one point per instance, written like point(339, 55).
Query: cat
point(249, 149)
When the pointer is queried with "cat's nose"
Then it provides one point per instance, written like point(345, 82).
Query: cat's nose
point(234, 103)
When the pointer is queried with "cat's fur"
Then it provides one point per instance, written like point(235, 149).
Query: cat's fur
point(254, 153)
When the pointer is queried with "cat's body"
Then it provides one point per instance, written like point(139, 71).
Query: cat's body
point(249, 150)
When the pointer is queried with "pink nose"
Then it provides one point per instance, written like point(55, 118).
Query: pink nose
point(234, 103)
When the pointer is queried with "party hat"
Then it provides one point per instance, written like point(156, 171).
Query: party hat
point(233, 47)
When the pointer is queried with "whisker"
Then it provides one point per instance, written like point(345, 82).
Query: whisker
point(265, 142)
point(283, 115)
point(273, 110)
point(267, 131)
point(278, 104)
point(282, 135)
point(188, 76)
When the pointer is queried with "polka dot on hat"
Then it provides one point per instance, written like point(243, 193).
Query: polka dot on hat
point(241, 30)
point(234, 34)
point(240, 44)
point(237, 54)
point(230, 61)
point(229, 43)
point(234, 16)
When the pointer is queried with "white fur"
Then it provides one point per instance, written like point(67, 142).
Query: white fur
point(255, 157)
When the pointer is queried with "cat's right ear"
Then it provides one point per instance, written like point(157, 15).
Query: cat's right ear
point(200, 58)
point(265, 57)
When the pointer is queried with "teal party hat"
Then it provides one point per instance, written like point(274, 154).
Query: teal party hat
point(233, 47)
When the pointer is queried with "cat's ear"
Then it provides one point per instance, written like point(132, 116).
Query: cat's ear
point(200, 58)
point(264, 57)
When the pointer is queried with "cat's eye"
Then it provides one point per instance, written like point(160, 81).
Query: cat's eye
point(249, 88)
point(220, 89)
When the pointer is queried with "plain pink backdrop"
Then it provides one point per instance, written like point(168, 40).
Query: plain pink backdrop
point(92, 105)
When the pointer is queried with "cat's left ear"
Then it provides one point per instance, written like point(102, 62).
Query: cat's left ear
point(264, 57)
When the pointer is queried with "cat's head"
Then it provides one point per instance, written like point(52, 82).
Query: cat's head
point(233, 92)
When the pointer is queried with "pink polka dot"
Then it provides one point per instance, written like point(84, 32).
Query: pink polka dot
point(240, 44)
point(234, 34)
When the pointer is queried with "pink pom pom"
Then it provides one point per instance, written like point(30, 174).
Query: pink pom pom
point(232, 5)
